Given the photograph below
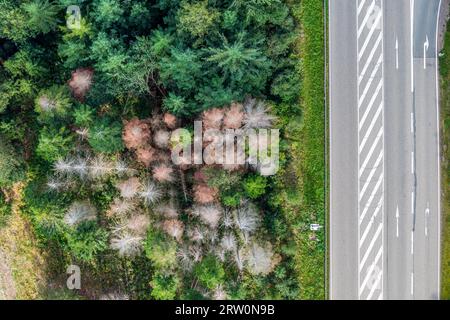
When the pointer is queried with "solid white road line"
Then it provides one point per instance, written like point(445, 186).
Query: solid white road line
point(411, 17)
point(397, 216)
point(438, 162)
point(412, 202)
point(396, 53)
point(425, 49)
point(427, 215)
point(438, 157)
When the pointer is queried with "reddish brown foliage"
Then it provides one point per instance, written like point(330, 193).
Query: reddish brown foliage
point(161, 139)
point(81, 82)
point(174, 228)
point(136, 133)
point(163, 173)
point(234, 116)
point(199, 176)
point(170, 120)
point(204, 194)
point(146, 155)
point(212, 119)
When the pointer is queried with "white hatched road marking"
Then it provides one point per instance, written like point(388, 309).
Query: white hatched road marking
point(369, 227)
point(369, 108)
point(369, 131)
point(372, 172)
point(369, 60)
point(370, 67)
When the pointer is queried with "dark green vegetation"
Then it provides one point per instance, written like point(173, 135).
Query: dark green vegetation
point(444, 64)
point(300, 188)
point(85, 118)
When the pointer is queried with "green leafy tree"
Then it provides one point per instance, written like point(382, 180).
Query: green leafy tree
point(176, 105)
point(160, 249)
point(210, 272)
point(54, 143)
point(52, 102)
point(255, 186)
point(42, 15)
point(11, 164)
point(239, 63)
point(23, 72)
point(180, 70)
point(84, 115)
point(164, 286)
point(196, 18)
point(106, 136)
point(87, 241)
point(107, 12)
point(13, 22)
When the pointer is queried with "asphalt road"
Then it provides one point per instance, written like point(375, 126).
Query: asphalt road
point(384, 169)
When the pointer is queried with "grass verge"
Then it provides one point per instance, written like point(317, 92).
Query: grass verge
point(301, 185)
point(445, 164)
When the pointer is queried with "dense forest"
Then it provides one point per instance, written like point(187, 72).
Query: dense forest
point(87, 113)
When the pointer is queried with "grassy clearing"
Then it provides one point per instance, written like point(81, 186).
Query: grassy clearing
point(21, 262)
point(301, 185)
point(445, 164)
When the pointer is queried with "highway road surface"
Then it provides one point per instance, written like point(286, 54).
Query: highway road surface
point(384, 149)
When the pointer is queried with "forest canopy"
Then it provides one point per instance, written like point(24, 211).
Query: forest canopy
point(86, 116)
